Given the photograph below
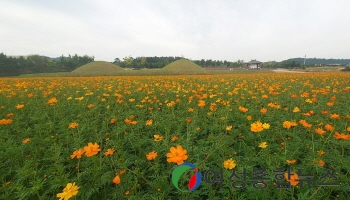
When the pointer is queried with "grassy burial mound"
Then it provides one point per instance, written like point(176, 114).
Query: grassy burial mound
point(97, 68)
point(184, 66)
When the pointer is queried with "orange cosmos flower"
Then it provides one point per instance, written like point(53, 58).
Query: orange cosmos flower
point(109, 152)
point(25, 141)
point(73, 125)
point(263, 110)
point(321, 163)
point(149, 122)
point(324, 112)
point(128, 121)
point(228, 128)
point(321, 152)
point(52, 101)
point(189, 120)
point(348, 129)
point(287, 124)
point(10, 114)
point(256, 127)
point(201, 103)
point(291, 162)
point(294, 179)
point(151, 155)
point(294, 96)
point(90, 106)
point(190, 110)
point(340, 136)
point(77, 154)
point(177, 155)
point(305, 124)
point(19, 106)
point(320, 131)
point(328, 127)
point(335, 116)
point(249, 117)
point(330, 104)
point(242, 109)
point(5, 121)
point(116, 180)
point(91, 149)
point(174, 138)
point(113, 120)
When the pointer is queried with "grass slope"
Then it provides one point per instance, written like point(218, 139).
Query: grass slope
point(97, 66)
point(183, 64)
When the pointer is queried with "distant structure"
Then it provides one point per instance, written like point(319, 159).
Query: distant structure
point(253, 64)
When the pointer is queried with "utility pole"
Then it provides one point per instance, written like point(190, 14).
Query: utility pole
point(304, 60)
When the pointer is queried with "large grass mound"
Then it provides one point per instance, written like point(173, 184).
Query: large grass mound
point(97, 67)
point(183, 64)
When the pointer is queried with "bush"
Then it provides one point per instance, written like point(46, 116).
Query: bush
point(346, 69)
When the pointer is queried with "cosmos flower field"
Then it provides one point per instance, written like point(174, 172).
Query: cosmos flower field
point(122, 137)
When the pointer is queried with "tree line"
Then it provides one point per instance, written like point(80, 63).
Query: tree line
point(160, 62)
point(13, 66)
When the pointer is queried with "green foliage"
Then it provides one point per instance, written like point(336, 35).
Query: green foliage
point(12, 66)
point(289, 64)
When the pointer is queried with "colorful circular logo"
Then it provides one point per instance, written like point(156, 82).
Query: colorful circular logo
point(194, 181)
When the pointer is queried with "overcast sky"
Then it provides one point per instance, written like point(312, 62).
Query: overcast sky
point(219, 30)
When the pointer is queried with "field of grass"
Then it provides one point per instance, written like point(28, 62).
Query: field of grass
point(120, 137)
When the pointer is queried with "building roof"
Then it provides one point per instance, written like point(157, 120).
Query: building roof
point(254, 62)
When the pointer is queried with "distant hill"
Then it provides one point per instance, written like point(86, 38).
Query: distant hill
point(183, 64)
point(97, 66)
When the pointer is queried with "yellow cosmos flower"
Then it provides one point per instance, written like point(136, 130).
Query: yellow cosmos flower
point(68, 192)
point(263, 145)
point(158, 138)
point(291, 162)
point(266, 126)
point(229, 164)
point(296, 109)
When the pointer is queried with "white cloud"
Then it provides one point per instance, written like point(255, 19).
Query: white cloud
point(224, 30)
